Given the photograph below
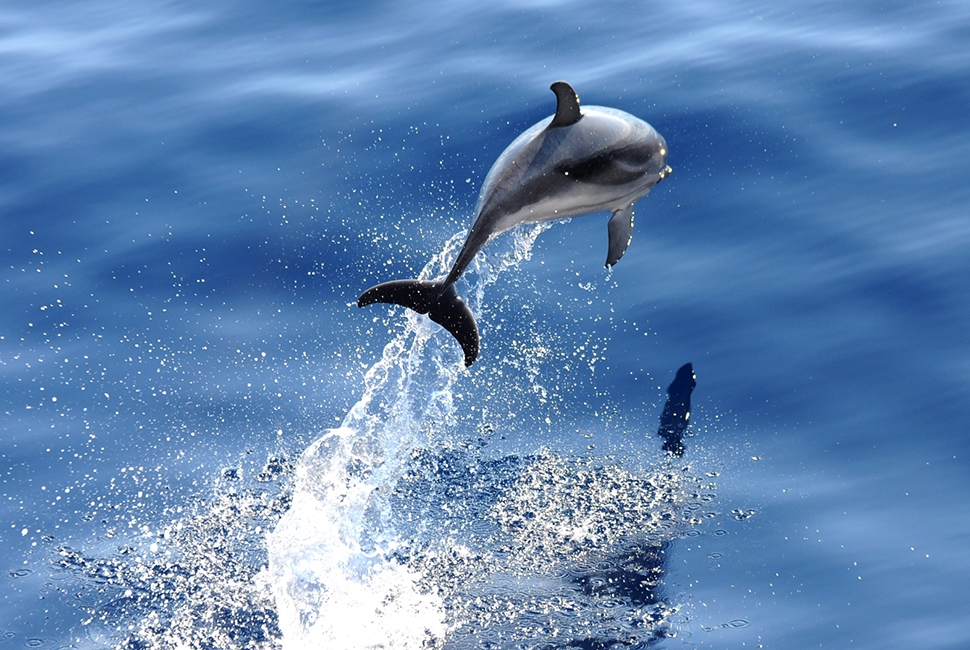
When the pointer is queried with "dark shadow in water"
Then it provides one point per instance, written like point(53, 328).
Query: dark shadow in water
point(636, 577)
point(676, 414)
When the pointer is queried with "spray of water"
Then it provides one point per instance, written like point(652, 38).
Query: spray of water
point(332, 565)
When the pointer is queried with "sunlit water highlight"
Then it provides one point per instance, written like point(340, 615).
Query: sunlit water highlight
point(329, 557)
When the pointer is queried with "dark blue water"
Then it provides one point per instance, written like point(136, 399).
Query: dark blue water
point(193, 195)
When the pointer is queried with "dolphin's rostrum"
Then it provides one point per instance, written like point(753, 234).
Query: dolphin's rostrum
point(573, 163)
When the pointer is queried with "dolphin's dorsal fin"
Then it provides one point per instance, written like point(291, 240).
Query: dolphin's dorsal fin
point(567, 105)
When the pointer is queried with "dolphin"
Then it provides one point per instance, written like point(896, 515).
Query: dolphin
point(573, 163)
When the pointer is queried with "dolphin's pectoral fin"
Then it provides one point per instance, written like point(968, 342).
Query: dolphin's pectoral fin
point(444, 307)
point(567, 105)
point(621, 234)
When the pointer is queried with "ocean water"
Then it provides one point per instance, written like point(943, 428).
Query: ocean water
point(206, 444)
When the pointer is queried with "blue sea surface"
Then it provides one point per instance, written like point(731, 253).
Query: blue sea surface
point(206, 444)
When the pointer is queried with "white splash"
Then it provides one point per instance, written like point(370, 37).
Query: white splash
point(331, 565)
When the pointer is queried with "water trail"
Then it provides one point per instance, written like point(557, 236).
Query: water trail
point(331, 564)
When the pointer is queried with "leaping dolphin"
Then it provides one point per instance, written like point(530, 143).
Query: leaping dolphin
point(573, 163)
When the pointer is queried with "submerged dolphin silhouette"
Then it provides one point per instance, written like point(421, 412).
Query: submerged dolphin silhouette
point(573, 163)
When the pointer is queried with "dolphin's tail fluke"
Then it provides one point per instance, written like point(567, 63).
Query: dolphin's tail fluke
point(442, 304)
